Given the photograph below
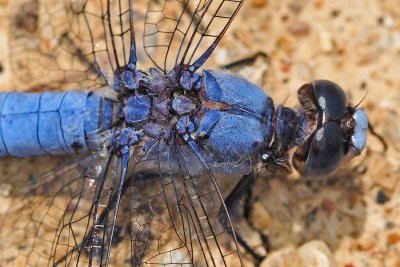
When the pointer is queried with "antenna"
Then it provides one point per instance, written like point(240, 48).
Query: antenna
point(361, 100)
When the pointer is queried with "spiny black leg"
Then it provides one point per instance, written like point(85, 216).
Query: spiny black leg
point(241, 189)
point(244, 189)
point(257, 258)
point(244, 61)
point(265, 241)
point(380, 138)
point(247, 212)
point(247, 204)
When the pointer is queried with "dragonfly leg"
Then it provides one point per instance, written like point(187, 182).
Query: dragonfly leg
point(244, 61)
point(377, 135)
point(248, 207)
point(244, 190)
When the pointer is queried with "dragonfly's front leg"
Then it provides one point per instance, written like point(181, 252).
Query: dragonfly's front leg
point(243, 189)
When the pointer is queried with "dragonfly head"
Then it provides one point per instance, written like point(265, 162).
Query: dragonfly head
point(334, 131)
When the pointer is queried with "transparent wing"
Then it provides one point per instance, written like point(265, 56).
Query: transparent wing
point(186, 31)
point(70, 43)
point(205, 201)
point(166, 210)
point(63, 218)
point(178, 217)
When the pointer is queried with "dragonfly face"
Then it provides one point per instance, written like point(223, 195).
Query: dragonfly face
point(339, 129)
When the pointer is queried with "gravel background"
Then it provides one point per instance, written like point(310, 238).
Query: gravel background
point(333, 222)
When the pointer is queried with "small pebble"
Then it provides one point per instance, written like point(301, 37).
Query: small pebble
point(285, 257)
point(259, 3)
point(316, 254)
point(390, 225)
point(284, 43)
point(335, 13)
point(299, 28)
point(366, 242)
point(285, 66)
point(318, 4)
point(381, 197)
point(295, 6)
point(388, 21)
point(326, 42)
point(393, 238)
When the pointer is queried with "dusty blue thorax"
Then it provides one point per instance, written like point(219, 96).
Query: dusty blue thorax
point(228, 116)
point(245, 125)
point(249, 122)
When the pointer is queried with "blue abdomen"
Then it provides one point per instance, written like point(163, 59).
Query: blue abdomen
point(243, 126)
point(52, 123)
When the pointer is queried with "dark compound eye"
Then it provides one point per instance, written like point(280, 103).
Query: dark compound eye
point(324, 153)
point(340, 129)
point(330, 98)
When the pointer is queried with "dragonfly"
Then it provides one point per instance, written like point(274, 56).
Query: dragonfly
point(155, 141)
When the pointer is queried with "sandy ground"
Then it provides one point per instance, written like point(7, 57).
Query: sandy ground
point(337, 221)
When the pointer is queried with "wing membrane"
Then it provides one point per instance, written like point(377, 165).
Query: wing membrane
point(156, 225)
point(64, 218)
point(88, 214)
point(217, 234)
point(184, 219)
point(70, 43)
point(186, 31)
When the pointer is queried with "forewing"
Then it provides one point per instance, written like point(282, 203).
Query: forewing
point(186, 31)
point(178, 216)
point(70, 43)
point(167, 210)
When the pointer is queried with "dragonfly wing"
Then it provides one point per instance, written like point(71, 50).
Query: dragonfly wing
point(178, 216)
point(208, 206)
point(167, 210)
point(70, 44)
point(64, 218)
point(186, 32)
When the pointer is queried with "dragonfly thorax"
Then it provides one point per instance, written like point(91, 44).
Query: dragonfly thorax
point(235, 120)
point(158, 105)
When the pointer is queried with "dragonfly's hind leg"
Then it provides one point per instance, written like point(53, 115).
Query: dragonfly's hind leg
point(243, 191)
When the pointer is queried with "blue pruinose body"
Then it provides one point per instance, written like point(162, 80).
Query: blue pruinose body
point(230, 119)
point(159, 140)
point(52, 123)
point(234, 119)
point(242, 126)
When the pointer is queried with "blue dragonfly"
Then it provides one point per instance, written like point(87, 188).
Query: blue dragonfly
point(158, 139)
